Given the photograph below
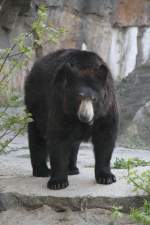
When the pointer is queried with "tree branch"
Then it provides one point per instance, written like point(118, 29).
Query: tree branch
point(7, 56)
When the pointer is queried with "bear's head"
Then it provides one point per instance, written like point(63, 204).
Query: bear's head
point(83, 91)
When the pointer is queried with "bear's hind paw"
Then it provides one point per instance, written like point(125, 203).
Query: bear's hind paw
point(41, 171)
point(73, 171)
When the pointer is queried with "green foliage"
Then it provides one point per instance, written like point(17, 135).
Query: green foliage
point(11, 125)
point(142, 215)
point(43, 31)
point(141, 182)
point(129, 163)
point(116, 212)
point(17, 59)
point(39, 26)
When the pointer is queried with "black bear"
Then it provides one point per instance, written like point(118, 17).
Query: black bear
point(70, 95)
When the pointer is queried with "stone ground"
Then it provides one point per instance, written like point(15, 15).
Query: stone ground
point(47, 216)
point(25, 200)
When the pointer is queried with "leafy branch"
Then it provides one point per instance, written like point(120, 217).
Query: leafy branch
point(129, 163)
point(140, 182)
point(7, 56)
point(14, 60)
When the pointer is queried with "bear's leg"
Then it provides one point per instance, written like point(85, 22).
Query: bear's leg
point(104, 142)
point(73, 170)
point(59, 158)
point(38, 153)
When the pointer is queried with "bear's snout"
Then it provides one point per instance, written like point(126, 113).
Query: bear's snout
point(86, 111)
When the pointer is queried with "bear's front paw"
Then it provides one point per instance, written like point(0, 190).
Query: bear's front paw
point(57, 184)
point(105, 178)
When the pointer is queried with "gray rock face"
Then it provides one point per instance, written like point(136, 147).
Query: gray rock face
point(138, 132)
point(142, 122)
point(51, 3)
point(98, 24)
point(97, 7)
point(10, 10)
point(133, 93)
point(131, 13)
point(134, 96)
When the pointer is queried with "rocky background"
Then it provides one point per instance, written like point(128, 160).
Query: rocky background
point(118, 30)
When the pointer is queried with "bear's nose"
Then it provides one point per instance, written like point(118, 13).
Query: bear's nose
point(83, 118)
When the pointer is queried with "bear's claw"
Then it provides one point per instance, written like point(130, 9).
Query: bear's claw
point(57, 184)
point(106, 178)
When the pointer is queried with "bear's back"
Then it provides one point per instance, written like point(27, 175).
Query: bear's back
point(44, 70)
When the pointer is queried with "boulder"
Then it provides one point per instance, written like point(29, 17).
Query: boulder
point(133, 93)
point(138, 133)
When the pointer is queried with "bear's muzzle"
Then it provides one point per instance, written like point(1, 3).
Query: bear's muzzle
point(86, 111)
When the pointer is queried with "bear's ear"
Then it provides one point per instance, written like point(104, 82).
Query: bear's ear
point(102, 73)
point(64, 74)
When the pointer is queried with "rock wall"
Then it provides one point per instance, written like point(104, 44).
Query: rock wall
point(118, 30)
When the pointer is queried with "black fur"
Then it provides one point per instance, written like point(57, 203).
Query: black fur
point(53, 92)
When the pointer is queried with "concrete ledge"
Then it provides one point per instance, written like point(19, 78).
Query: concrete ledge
point(15, 200)
point(19, 188)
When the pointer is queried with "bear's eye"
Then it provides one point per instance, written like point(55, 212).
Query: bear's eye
point(80, 95)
